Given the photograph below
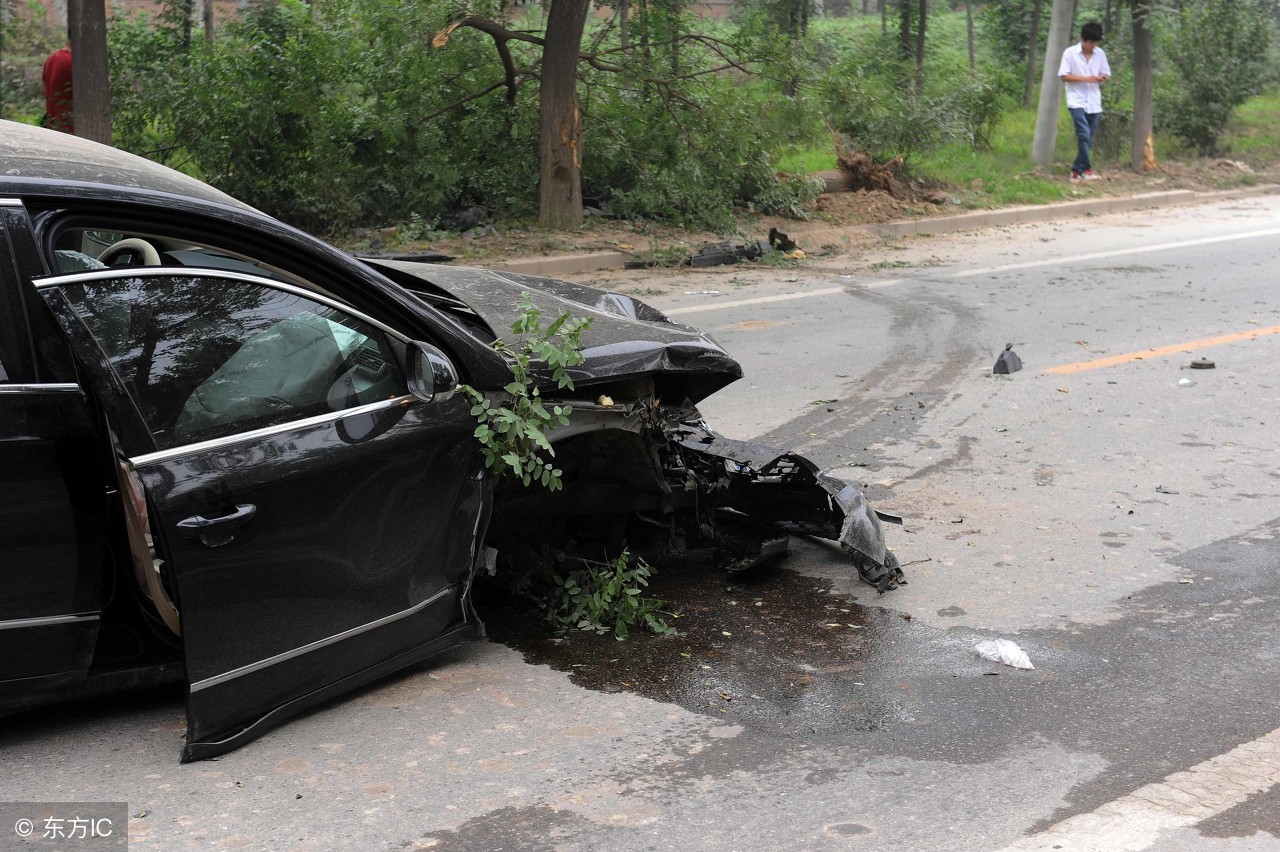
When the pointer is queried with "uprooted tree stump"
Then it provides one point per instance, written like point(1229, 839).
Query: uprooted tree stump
point(863, 172)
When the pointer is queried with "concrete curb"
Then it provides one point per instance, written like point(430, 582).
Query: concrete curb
point(814, 238)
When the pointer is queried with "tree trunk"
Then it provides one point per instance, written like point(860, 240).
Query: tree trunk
point(208, 25)
point(1050, 86)
point(90, 86)
point(904, 29)
point(924, 11)
point(1143, 107)
point(560, 128)
point(624, 23)
point(968, 23)
point(186, 10)
point(1029, 84)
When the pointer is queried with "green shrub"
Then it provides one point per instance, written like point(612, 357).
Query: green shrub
point(875, 102)
point(26, 40)
point(1220, 51)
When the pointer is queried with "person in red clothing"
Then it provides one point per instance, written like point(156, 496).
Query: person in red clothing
point(55, 82)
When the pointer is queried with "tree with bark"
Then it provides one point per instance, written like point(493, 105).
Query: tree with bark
point(920, 27)
point(560, 120)
point(968, 31)
point(1046, 135)
point(1033, 44)
point(561, 54)
point(905, 28)
point(1143, 158)
point(91, 91)
point(560, 123)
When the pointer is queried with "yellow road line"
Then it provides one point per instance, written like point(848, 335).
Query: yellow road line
point(1161, 351)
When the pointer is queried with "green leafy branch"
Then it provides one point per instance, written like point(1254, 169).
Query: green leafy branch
point(513, 431)
point(607, 597)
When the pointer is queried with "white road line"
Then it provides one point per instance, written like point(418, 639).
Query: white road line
point(1135, 821)
point(1061, 261)
point(968, 273)
point(782, 297)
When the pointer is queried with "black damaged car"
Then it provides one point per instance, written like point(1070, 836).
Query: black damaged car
point(235, 457)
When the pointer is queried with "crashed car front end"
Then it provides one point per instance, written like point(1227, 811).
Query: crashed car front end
point(655, 478)
point(641, 469)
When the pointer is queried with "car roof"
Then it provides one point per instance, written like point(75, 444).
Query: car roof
point(30, 154)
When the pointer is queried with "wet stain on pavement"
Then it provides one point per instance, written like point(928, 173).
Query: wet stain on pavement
point(775, 651)
point(923, 693)
point(531, 829)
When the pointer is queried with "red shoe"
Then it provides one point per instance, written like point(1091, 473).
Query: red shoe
point(1076, 177)
point(1090, 174)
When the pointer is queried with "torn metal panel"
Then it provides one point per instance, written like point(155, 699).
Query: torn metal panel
point(657, 477)
point(781, 487)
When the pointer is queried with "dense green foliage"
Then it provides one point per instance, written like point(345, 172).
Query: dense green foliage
point(1226, 60)
point(26, 39)
point(1005, 25)
point(879, 106)
point(319, 114)
point(340, 114)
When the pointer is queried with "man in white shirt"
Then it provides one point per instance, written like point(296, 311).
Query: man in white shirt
point(1084, 69)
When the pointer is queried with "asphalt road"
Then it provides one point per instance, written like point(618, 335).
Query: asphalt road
point(1113, 511)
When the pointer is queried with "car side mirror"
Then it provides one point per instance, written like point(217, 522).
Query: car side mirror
point(432, 376)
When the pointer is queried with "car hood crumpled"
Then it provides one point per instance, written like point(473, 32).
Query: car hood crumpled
point(627, 338)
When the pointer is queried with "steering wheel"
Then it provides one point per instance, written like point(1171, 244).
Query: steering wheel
point(131, 251)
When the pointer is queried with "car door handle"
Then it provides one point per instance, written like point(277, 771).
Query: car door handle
point(215, 532)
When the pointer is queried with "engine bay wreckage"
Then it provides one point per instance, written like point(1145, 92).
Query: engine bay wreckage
point(640, 467)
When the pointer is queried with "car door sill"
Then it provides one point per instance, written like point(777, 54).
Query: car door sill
point(467, 632)
point(314, 646)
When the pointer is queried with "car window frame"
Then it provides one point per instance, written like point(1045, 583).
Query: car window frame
point(297, 255)
point(398, 340)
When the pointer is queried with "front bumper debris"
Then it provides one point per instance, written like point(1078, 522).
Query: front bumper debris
point(782, 488)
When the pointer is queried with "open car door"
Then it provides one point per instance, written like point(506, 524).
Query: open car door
point(315, 524)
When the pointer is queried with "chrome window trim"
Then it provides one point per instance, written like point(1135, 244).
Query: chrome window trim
point(319, 643)
point(47, 621)
point(10, 202)
point(267, 431)
point(49, 387)
point(53, 281)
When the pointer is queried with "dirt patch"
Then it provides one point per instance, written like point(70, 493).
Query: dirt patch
point(865, 206)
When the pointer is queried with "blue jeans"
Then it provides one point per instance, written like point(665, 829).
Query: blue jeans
point(1086, 128)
